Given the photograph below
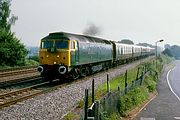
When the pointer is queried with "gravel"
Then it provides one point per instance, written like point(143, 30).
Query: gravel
point(55, 104)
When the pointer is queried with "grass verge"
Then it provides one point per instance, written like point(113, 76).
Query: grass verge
point(135, 97)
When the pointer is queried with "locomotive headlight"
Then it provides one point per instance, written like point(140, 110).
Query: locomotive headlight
point(47, 56)
point(40, 69)
point(54, 62)
point(57, 56)
point(62, 70)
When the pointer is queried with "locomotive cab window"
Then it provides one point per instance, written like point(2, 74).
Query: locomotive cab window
point(46, 44)
point(61, 44)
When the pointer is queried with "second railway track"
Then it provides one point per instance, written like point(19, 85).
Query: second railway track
point(17, 72)
point(10, 83)
point(23, 90)
point(13, 97)
point(13, 76)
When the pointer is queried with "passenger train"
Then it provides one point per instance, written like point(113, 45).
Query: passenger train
point(66, 55)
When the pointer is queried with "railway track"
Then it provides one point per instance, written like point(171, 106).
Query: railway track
point(16, 68)
point(20, 84)
point(6, 84)
point(13, 97)
point(13, 76)
point(8, 72)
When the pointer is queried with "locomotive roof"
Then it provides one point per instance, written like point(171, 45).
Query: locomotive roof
point(80, 38)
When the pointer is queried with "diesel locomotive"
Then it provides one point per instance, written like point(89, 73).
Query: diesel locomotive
point(72, 55)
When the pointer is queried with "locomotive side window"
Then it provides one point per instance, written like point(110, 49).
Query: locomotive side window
point(61, 44)
point(72, 45)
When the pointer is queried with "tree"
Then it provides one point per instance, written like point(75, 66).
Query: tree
point(12, 52)
point(145, 44)
point(5, 20)
point(168, 52)
point(167, 46)
point(172, 51)
point(126, 41)
point(175, 50)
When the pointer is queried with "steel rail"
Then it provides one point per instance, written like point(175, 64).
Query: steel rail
point(17, 72)
point(16, 68)
point(13, 97)
point(8, 83)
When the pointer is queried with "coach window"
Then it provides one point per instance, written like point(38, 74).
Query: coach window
point(118, 51)
point(121, 50)
point(72, 45)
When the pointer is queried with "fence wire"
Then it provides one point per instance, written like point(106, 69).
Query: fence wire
point(108, 104)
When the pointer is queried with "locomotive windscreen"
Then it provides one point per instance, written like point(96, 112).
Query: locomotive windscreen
point(54, 43)
point(46, 44)
point(61, 44)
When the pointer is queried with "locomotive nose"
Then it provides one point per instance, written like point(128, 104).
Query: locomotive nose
point(40, 69)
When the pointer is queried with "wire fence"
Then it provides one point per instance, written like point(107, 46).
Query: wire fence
point(107, 105)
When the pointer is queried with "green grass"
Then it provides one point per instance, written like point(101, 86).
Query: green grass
point(118, 81)
point(136, 96)
point(28, 62)
point(131, 100)
point(150, 82)
point(114, 83)
point(71, 116)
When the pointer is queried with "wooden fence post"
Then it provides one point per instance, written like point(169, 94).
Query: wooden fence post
point(126, 83)
point(142, 75)
point(133, 84)
point(86, 105)
point(145, 69)
point(93, 91)
point(137, 74)
point(108, 86)
point(118, 88)
point(96, 116)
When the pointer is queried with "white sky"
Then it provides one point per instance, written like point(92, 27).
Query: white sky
point(142, 21)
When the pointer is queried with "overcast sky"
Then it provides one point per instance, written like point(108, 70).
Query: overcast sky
point(142, 21)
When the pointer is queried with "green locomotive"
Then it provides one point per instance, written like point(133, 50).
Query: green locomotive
point(71, 55)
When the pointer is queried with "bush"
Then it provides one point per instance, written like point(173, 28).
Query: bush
point(12, 52)
point(35, 58)
point(133, 98)
point(150, 83)
point(31, 62)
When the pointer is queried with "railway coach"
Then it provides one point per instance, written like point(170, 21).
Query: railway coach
point(124, 53)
